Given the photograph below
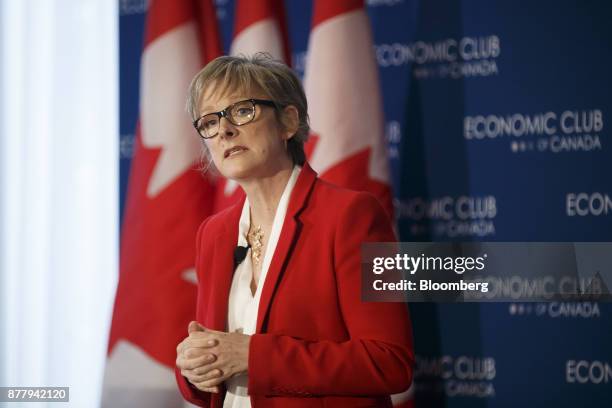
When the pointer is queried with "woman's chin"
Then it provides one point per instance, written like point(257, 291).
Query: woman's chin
point(236, 170)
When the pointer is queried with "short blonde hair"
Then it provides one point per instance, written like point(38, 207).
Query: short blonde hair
point(258, 72)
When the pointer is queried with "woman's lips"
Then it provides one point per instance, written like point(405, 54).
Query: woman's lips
point(233, 150)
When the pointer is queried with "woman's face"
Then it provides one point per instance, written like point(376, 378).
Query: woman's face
point(254, 150)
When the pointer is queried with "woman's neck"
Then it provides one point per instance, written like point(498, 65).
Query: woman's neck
point(264, 195)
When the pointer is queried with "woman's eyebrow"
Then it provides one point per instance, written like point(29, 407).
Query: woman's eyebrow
point(235, 98)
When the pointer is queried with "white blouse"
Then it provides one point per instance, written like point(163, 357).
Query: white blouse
point(243, 305)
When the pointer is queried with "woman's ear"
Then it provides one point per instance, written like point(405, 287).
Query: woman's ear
point(291, 121)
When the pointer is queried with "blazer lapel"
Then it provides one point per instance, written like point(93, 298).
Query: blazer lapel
point(224, 264)
point(297, 201)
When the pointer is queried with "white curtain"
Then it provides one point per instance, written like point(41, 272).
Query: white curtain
point(59, 192)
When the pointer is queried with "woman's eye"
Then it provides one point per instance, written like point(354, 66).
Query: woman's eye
point(243, 111)
point(210, 123)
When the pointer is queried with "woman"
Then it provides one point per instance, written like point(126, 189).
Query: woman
point(280, 322)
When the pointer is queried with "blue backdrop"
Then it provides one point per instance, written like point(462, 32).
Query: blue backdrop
point(496, 128)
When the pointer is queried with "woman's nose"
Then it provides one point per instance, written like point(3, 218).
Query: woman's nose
point(226, 128)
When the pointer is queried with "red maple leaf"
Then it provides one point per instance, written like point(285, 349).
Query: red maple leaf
point(154, 301)
point(353, 172)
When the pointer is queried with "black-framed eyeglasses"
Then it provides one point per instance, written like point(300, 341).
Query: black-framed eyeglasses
point(239, 113)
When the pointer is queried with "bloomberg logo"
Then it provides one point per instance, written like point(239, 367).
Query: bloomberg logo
point(584, 204)
point(583, 371)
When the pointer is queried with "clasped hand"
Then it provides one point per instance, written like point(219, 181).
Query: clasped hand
point(208, 357)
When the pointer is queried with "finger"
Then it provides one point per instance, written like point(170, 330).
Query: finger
point(194, 352)
point(195, 377)
point(195, 327)
point(189, 375)
point(209, 383)
point(210, 358)
point(214, 390)
point(190, 363)
point(199, 335)
point(210, 375)
point(180, 346)
point(199, 339)
point(211, 331)
point(205, 369)
point(201, 380)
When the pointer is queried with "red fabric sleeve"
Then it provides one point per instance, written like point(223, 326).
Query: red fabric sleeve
point(189, 392)
point(376, 360)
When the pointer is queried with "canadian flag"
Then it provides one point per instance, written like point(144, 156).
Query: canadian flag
point(347, 144)
point(166, 201)
point(259, 26)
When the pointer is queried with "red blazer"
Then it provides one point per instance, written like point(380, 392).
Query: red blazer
point(316, 344)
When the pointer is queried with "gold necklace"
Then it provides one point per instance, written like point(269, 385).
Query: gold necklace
point(255, 239)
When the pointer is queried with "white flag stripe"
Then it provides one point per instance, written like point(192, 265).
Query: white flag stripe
point(262, 36)
point(133, 377)
point(175, 57)
point(341, 83)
